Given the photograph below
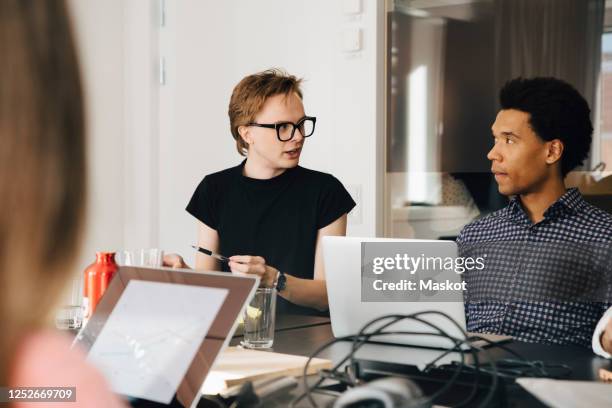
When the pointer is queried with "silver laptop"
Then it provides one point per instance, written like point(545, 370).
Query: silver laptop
point(342, 258)
point(156, 332)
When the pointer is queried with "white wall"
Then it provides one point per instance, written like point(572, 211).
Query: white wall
point(141, 126)
point(100, 42)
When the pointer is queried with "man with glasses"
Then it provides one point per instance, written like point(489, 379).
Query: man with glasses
point(268, 214)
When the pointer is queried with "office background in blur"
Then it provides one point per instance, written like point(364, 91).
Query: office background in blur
point(404, 92)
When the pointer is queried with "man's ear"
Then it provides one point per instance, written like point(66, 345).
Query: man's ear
point(243, 131)
point(555, 151)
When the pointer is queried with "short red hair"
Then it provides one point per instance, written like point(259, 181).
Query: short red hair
point(251, 93)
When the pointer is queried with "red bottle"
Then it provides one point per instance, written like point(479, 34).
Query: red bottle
point(97, 278)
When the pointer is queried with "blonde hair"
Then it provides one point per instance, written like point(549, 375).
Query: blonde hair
point(42, 166)
point(251, 93)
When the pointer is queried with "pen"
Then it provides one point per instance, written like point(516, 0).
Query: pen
point(211, 253)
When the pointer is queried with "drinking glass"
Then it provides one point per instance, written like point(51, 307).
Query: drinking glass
point(70, 314)
point(259, 318)
point(152, 257)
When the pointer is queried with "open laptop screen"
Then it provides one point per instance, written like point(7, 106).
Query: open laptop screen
point(156, 332)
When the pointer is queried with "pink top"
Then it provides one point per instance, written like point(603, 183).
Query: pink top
point(44, 359)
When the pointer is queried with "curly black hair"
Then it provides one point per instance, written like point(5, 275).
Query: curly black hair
point(557, 111)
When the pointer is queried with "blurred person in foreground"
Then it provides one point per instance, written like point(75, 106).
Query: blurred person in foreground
point(42, 183)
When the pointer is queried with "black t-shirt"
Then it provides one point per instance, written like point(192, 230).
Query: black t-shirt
point(277, 219)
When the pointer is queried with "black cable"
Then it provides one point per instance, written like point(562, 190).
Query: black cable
point(379, 332)
point(457, 368)
point(363, 339)
point(471, 347)
point(514, 369)
point(305, 371)
point(535, 365)
point(474, 338)
point(335, 368)
point(397, 318)
point(457, 372)
point(309, 389)
point(474, 391)
point(456, 348)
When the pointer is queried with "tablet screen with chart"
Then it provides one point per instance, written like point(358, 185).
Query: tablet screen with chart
point(156, 332)
point(152, 335)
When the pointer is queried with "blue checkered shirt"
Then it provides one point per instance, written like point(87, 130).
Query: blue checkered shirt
point(533, 270)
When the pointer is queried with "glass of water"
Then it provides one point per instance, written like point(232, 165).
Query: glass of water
point(259, 318)
point(70, 314)
point(152, 257)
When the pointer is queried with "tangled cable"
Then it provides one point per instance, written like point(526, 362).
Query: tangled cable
point(458, 344)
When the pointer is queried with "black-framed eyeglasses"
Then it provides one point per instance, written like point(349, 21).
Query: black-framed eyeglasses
point(286, 130)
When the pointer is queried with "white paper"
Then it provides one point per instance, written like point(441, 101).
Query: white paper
point(569, 394)
point(152, 336)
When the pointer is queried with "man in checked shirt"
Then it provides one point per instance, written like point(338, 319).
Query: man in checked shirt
point(548, 253)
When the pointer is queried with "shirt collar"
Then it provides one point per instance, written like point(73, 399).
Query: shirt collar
point(569, 203)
